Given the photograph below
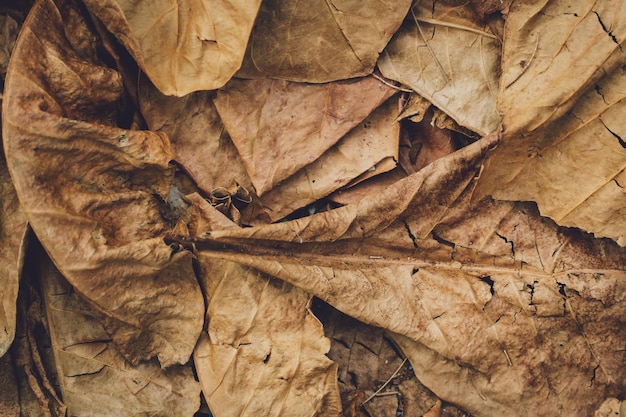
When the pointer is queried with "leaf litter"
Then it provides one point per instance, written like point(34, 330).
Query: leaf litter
point(413, 219)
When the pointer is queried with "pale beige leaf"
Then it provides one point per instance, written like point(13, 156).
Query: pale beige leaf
point(320, 40)
point(279, 127)
point(511, 315)
point(553, 52)
point(573, 168)
point(95, 378)
point(183, 46)
point(362, 151)
point(264, 353)
point(94, 193)
point(449, 57)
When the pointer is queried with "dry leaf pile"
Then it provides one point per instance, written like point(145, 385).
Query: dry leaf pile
point(348, 208)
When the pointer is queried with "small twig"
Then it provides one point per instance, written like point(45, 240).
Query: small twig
point(388, 84)
point(526, 65)
point(443, 71)
point(385, 384)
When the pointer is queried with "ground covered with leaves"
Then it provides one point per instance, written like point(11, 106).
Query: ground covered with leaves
point(357, 208)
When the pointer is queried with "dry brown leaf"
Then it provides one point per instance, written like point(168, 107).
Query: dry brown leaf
point(12, 219)
point(363, 150)
point(500, 311)
point(573, 168)
point(95, 379)
point(183, 46)
point(320, 41)
point(279, 127)
point(552, 53)
point(9, 396)
point(95, 194)
point(264, 353)
point(199, 141)
point(447, 56)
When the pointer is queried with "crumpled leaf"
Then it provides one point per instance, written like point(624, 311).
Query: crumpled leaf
point(449, 57)
point(12, 219)
point(279, 127)
point(95, 379)
point(362, 151)
point(573, 168)
point(95, 194)
point(264, 352)
point(182, 46)
point(9, 397)
point(320, 41)
point(552, 53)
point(500, 311)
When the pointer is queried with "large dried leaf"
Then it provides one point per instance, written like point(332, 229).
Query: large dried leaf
point(320, 40)
point(95, 193)
point(573, 168)
point(363, 150)
point(279, 127)
point(12, 218)
point(95, 379)
point(264, 353)
point(449, 57)
point(553, 52)
point(504, 313)
point(183, 46)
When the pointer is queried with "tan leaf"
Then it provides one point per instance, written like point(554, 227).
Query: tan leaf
point(264, 353)
point(12, 219)
point(183, 46)
point(503, 313)
point(573, 168)
point(447, 56)
point(95, 378)
point(198, 138)
point(279, 127)
point(95, 194)
point(363, 150)
point(320, 41)
point(552, 53)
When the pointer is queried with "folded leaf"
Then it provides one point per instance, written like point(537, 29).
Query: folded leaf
point(264, 353)
point(95, 194)
point(279, 127)
point(95, 379)
point(508, 314)
point(182, 46)
point(444, 53)
point(320, 41)
point(363, 150)
point(552, 53)
point(573, 168)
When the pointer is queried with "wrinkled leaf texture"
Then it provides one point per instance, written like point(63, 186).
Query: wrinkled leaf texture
point(95, 193)
point(204, 44)
point(499, 311)
point(95, 379)
point(320, 40)
point(563, 98)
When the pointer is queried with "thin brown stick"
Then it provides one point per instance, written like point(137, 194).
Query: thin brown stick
point(385, 384)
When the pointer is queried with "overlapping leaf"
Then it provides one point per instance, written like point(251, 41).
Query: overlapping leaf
point(498, 310)
point(573, 167)
point(95, 379)
point(264, 353)
point(279, 127)
point(449, 57)
point(94, 193)
point(183, 46)
point(321, 40)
